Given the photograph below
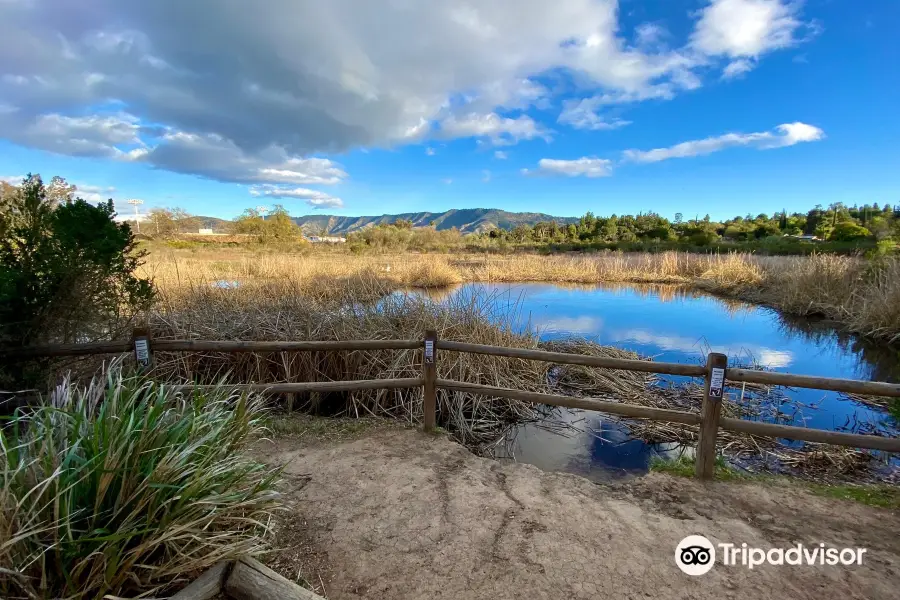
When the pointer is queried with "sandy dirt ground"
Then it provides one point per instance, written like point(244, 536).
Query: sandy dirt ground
point(401, 515)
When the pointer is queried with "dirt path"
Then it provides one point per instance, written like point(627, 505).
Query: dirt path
point(398, 514)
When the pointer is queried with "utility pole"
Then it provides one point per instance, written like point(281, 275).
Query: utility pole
point(135, 203)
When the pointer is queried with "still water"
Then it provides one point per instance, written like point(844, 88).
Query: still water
point(673, 324)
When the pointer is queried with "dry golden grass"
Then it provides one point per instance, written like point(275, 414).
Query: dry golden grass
point(332, 296)
point(173, 269)
point(862, 296)
point(274, 311)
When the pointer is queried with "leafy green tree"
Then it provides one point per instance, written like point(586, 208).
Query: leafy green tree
point(67, 271)
point(279, 225)
point(521, 233)
point(765, 229)
point(848, 231)
point(586, 223)
point(250, 222)
point(814, 218)
point(610, 231)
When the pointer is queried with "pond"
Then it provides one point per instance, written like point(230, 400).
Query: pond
point(675, 324)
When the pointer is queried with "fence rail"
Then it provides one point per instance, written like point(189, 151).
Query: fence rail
point(58, 350)
point(715, 374)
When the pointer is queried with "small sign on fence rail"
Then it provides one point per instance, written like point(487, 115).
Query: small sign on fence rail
point(142, 353)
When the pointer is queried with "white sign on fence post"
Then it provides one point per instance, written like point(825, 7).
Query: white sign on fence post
point(142, 352)
point(716, 383)
point(429, 352)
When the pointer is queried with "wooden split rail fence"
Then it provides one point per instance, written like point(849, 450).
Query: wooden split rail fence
point(715, 373)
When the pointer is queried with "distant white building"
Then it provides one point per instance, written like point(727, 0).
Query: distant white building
point(205, 232)
point(325, 239)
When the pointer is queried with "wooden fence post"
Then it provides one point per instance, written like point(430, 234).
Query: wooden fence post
point(143, 352)
point(429, 374)
point(289, 378)
point(705, 460)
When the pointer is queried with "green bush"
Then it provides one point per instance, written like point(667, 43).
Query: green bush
point(126, 485)
point(66, 269)
point(849, 232)
point(184, 244)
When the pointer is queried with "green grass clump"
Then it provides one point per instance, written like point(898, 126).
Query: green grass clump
point(883, 496)
point(684, 467)
point(894, 409)
point(126, 486)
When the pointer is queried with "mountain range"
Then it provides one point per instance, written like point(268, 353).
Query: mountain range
point(467, 220)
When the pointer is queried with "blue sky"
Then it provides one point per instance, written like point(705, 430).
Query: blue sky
point(717, 107)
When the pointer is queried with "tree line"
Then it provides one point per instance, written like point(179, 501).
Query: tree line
point(842, 225)
point(836, 223)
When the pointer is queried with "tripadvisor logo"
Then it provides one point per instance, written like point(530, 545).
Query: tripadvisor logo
point(696, 555)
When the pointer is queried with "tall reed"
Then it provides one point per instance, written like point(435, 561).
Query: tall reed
point(861, 296)
point(275, 312)
point(123, 487)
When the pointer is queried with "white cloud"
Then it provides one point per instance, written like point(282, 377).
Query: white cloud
point(314, 198)
point(446, 181)
point(217, 158)
point(299, 79)
point(501, 131)
point(649, 34)
point(500, 155)
point(585, 113)
point(798, 132)
point(429, 152)
point(94, 193)
point(584, 325)
point(784, 135)
point(309, 78)
point(587, 167)
point(772, 359)
point(766, 357)
point(746, 28)
point(129, 216)
point(738, 67)
point(582, 114)
point(486, 176)
point(88, 192)
point(512, 94)
point(95, 135)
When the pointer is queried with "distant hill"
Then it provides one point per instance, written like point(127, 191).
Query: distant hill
point(467, 220)
point(218, 225)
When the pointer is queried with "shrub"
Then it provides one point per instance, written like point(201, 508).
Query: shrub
point(849, 232)
point(66, 270)
point(126, 485)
